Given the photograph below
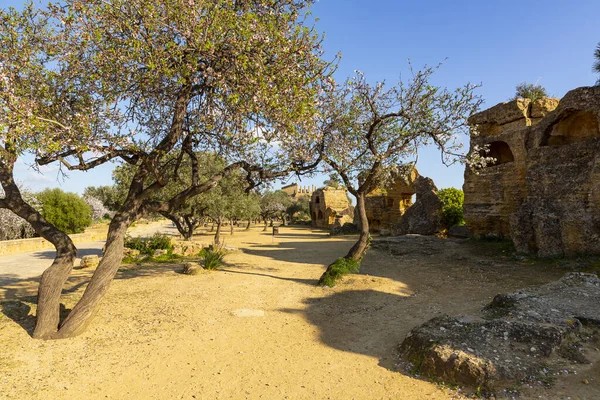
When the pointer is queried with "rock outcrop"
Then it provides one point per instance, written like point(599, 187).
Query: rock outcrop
point(543, 190)
point(424, 217)
point(385, 206)
point(522, 337)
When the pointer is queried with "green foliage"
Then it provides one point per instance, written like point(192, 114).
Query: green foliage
point(299, 210)
point(108, 195)
point(212, 258)
point(339, 268)
point(452, 209)
point(531, 91)
point(148, 246)
point(67, 211)
point(334, 181)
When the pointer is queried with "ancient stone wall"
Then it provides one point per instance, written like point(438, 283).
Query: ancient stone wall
point(296, 191)
point(329, 204)
point(544, 189)
point(384, 207)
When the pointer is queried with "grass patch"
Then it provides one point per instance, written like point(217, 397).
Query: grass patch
point(339, 268)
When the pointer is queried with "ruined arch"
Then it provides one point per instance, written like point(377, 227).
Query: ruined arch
point(501, 152)
point(576, 127)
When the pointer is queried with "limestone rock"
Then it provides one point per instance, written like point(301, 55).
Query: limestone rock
point(542, 107)
point(544, 191)
point(425, 216)
point(502, 113)
point(328, 205)
point(192, 268)
point(187, 248)
point(385, 206)
point(90, 261)
point(516, 341)
point(460, 232)
point(159, 252)
point(132, 253)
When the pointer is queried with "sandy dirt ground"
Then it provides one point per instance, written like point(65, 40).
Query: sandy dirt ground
point(259, 328)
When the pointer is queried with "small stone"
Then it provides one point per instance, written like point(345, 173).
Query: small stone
point(585, 382)
point(533, 349)
point(191, 268)
point(90, 261)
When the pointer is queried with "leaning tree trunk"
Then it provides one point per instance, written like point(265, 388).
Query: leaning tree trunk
point(360, 247)
point(248, 225)
point(186, 233)
point(53, 278)
point(217, 239)
point(265, 228)
point(87, 307)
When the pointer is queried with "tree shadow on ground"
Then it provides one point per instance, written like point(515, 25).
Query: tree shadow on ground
point(83, 251)
point(18, 295)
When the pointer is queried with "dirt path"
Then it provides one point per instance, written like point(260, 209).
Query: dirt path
point(15, 267)
point(259, 328)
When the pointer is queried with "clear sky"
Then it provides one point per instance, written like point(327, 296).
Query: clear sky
point(498, 43)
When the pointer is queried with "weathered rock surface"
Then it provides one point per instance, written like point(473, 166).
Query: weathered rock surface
point(385, 206)
point(159, 252)
point(544, 190)
point(425, 216)
point(90, 261)
point(329, 205)
point(522, 337)
point(192, 268)
point(460, 232)
point(188, 248)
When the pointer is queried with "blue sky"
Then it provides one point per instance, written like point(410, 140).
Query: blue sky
point(496, 43)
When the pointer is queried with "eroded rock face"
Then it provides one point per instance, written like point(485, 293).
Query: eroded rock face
point(424, 217)
point(385, 207)
point(90, 261)
point(522, 337)
point(544, 190)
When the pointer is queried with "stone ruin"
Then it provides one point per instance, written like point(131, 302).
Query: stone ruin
point(543, 190)
point(329, 207)
point(385, 207)
point(392, 211)
point(296, 191)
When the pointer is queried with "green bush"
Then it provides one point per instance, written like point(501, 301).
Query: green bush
point(335, 271)
point(67, 211)
point(149, 245)
point(530, 91)
point(212, 259)
point(452, 209)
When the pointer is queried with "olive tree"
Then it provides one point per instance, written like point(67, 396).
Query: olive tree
point(371, 130)
point(237, 78)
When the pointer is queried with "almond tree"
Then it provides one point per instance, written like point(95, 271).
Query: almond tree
point(186, 76)
point(41, 108)
point(371, 130)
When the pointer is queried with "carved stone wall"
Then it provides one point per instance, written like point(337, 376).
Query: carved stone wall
point(327, 204)
point(384, 207)
point(544, 189)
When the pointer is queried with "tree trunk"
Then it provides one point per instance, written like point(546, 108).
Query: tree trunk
point(360, 247)
point(231, 226)
point(217, 239)
point(84, 311)
point(248, 226)
point(53, 278)
point(212, 227)
point(265, 228)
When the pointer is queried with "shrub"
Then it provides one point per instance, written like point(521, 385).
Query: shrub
point(339, 268)
point(212, 259)
point(530, 91)
point(452, 208)
point(99, 211)
point(148, 246)
point(67, 211)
